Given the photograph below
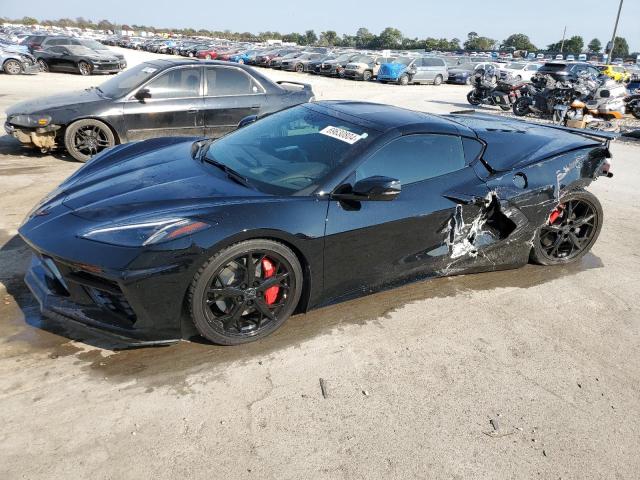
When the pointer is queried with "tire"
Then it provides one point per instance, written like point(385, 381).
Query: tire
point(43, 65)
point(232, 314)
point(85, 138)
point(521, 107)
point(84, 68)
point(299, 68)
point(574, 205)
point(635, 110)
point(367, 75)
point(438, 80)
point(472, 99)
point(403, 80)
point(12, 67)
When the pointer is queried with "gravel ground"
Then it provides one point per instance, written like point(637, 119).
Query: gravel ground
point(523, 374)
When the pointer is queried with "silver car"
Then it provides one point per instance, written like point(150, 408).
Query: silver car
point(14, 62)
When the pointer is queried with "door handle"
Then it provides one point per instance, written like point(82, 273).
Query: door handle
point(193, 110)
point(255, 107)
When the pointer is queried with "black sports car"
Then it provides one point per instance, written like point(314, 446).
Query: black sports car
point(152, 99)
point(311, 205)
point(76, 59)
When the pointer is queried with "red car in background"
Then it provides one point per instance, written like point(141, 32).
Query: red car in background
point(227, 54)
point(208, 54)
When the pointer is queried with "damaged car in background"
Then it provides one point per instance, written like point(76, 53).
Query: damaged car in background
point(308, 206)
point(156, 98)
point(14, 62)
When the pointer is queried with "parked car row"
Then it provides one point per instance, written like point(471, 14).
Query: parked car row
point(58, 53)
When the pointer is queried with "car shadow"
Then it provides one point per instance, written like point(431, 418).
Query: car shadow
point(25, 330)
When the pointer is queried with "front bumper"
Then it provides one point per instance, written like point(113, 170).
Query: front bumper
point(41, 137)
point(67, 294)
point(353, 74)
point(106, 68)
point(30, 68)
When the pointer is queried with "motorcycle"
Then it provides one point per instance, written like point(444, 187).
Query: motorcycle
point(545, 97)
point(632, 104)
point(503, 94)
point(599, 108)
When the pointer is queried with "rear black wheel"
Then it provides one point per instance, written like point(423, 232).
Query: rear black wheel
point(521, 107)
point(571, 230)
point(245, 292)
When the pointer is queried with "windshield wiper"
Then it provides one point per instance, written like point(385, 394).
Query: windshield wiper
point(231, 173)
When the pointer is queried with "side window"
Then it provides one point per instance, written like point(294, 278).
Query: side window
point(417, 63)
point(58, 50)
point(224, 81)
point(414, 158)
point(178, 83)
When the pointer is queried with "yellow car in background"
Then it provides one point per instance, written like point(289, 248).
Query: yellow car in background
point(618, 73)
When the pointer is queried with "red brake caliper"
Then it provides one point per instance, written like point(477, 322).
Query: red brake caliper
point(555, 214)
point(268, 270)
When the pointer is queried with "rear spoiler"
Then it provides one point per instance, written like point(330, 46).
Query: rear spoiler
point(592, 134)
point(305, 86)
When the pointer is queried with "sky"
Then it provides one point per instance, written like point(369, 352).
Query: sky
point(542, 20)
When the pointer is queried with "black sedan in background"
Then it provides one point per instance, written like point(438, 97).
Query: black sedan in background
point(311, 205)
point(164, 97)
point(77, 59)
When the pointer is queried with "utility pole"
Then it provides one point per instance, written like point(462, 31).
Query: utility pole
point(564, 34)
point(615, 30)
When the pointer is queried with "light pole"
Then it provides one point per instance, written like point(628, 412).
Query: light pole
point(564, 34)
point(615, 30)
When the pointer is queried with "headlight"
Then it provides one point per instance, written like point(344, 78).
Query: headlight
point(30, 120)
point(145, 233)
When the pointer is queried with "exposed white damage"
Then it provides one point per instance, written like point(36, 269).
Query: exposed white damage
point(464, 240)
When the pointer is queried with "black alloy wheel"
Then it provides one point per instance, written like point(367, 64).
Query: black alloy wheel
point(43, 65)
point(85, 138)
point(473, 99)
point(245, 292)
point(571, 230)
point(521, 107)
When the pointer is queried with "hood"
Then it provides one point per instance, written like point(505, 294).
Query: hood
point(392, 69)
point(513, 143)
point(45, 104)
point(151, 176)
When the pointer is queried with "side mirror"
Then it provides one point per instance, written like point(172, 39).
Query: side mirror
point(375, 188)
point(605, 94)
point(142, 94)
point(247, 120)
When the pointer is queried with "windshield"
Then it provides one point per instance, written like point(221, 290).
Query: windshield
point(94, 45)
point(126, 81)
point(362, 59)
point(79, 50)
point(403, 60)
point(290, 151)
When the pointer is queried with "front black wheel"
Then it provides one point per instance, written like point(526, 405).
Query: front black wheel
point(571, 230)
point(245, 292)
point(472, 99)
point(12, 67)
point(84, 68)
point(85, 138)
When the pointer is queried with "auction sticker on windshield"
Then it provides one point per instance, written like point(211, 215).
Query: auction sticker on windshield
point(341, 134)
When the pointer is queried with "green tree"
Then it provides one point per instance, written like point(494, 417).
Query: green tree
point(519, 41)
point(310, 37)
point(28, 21)
point(329, 38)
point(105, 25)
point(574, 44)
point(595, 46)
point(476, 42)
point(390, 38)
point(363, 37)
point(620, 48)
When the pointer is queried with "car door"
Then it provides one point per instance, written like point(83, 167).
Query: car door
point(230, 95)
point(376, 242)
point(421, 74)
point(430, 68)
point(174, 107)
point(66, 61)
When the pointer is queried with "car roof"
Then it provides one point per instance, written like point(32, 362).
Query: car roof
point(386, 117)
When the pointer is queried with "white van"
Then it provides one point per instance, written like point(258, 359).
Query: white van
point(582, 57)
point(559, 57)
